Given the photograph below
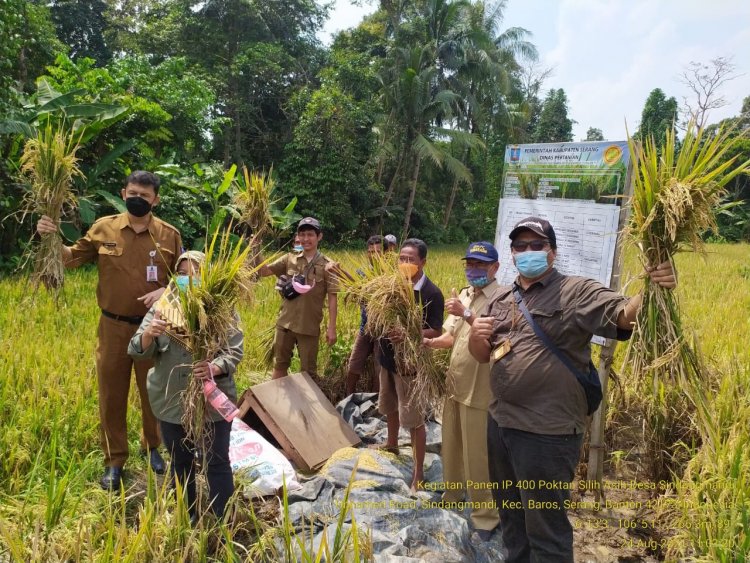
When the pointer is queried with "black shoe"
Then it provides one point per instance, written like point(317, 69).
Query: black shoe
point(112, 479)
point(156, 461)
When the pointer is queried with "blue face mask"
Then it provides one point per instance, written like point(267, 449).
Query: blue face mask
point(532, 263)
point(477, 277)
point(297, 248)
point(183, 282)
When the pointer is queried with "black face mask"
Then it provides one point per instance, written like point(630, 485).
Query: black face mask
point(137, 206)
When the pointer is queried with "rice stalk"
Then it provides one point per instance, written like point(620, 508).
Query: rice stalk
point(49, 161)
point(252, 199)
point(676, 195)
point(392, 309)
point(208, 308)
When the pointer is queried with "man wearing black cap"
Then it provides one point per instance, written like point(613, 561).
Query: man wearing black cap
point(464, 444)
point(302, 309)
point(538, 411)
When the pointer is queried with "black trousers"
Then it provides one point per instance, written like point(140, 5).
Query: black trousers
point(532, 472)
point(218, 470)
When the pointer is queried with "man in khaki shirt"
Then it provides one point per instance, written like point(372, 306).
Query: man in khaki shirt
point(464, 448)
point(135, 254)
point(300, 317)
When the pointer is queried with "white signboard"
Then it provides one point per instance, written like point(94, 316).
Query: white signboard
point(586, 235)
point(574, 186)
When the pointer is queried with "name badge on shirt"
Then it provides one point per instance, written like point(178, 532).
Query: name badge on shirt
point(502, 350)
point(152, 274)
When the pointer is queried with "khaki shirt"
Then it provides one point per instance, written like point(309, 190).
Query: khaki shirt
point(304, 314)
point(122, 255)
point(468, 380)
point(532, 390)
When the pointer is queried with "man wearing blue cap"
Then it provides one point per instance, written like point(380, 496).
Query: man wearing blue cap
point(464, 449)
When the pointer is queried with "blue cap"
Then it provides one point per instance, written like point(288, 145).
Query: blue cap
point(482, 250)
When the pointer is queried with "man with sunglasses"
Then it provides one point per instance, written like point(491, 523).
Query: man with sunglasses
point(538, 410)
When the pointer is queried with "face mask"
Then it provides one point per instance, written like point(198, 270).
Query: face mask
point(137, 206)
point(297, 248)
point(301, 288)
point(408, 270)
point(477, 277)
point(532, 263)
point(183, 282)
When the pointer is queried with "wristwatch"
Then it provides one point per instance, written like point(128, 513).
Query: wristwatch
point(467, 313)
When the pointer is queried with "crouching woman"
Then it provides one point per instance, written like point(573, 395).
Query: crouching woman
point(168, 379)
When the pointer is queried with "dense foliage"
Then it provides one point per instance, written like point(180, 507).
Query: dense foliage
point(399, 125)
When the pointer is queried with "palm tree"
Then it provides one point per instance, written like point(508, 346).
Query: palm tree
point(482, 65)
point(417, 105)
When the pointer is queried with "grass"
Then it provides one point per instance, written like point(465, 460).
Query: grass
point(51, 508)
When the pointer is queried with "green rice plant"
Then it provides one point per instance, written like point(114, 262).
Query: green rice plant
point(350, 543)
point(676, 194)
point(711, 509)
point(49, 161)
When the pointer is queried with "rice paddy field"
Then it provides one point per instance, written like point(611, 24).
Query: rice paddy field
point(52, 509)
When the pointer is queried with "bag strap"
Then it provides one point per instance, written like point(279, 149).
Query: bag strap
point(545, 339)
point(309, 267)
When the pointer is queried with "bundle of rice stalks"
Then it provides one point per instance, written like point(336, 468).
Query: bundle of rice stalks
point(392, 309)
point(676, 194)
point(253, 200)
point(208, 308)
point(49, 161)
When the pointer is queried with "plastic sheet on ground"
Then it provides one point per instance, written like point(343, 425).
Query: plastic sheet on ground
point(404, 527)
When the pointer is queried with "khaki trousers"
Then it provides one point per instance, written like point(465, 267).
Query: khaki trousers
point(113, 369)
point(307, 347)
point(464, 453)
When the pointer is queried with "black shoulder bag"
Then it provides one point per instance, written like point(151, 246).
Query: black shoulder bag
point(287, 288)
point(590, 382)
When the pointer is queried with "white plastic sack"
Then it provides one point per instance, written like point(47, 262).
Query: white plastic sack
point(267, 466)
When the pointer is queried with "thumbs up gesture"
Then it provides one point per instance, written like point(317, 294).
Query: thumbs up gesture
point(157, 326)
point(453, 304)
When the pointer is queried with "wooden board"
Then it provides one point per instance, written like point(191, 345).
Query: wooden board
point(300, 417)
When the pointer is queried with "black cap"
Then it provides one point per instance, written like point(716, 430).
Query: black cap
point(310, 222)
point(535, 225)
point(483, 251)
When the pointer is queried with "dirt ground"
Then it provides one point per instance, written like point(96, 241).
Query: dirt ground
point(620, 524)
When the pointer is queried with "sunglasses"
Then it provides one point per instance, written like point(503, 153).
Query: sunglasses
point(524, 245)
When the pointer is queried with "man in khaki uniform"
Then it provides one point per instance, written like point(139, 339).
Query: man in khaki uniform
point(135, 254)
point(464, 449)
point(300, 316)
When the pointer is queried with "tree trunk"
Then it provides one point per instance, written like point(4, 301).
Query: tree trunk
point(391, 189)
point(227, 145)
point(23, 74)
point(412, 194)
point(452, 199)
